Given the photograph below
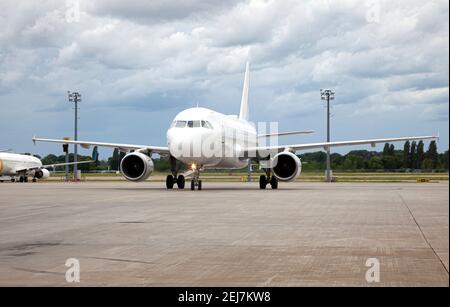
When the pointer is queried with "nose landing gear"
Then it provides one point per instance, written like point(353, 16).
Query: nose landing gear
point(196, 182)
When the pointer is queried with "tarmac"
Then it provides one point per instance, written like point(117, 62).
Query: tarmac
point(228, 234)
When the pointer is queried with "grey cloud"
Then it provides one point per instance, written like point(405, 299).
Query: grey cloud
point(157, 11)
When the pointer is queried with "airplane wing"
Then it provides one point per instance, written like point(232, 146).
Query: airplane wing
point(284, 133)
point(298, 147)
point(64, 164)
point(121, 147)
point(24, 170)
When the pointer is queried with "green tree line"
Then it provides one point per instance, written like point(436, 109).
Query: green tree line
point(412, 157)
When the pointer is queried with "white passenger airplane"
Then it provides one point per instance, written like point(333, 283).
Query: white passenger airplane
point(202, 139)
point(24, 166)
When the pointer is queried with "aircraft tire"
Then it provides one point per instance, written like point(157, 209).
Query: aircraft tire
point(262, 182)
point(181, 182)
point(274, 182)
point(169, 182)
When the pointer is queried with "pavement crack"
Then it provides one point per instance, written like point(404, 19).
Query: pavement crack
point(121, 260)
point(38, 271)
point(422, 233)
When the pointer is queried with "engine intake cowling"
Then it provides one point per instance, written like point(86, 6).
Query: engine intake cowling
point(136, 166)
point(42, 174)
point(286, 166)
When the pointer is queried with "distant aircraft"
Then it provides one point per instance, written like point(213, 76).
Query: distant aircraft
point(204, 139)
point(24, 166)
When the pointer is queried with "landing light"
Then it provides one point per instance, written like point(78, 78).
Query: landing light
point(193, 166)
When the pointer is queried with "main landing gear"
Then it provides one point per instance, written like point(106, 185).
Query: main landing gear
point(264, 180)
point(173, 179)
point(180, 181)
point(23, 179)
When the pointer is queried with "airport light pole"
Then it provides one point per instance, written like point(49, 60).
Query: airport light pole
point(328, 95)
point(75, 97)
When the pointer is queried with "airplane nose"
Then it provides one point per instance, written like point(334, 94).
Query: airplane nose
point(186, 144)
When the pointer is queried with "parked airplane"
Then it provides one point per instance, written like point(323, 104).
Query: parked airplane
point(202, 138)
point(24, 166)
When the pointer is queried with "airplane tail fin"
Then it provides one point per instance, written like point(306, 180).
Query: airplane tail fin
point(244, 112)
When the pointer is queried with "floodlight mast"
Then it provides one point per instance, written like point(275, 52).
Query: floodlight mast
point(75, 97)
point(328, 95)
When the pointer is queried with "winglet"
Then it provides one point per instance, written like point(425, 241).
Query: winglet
point(243, 114)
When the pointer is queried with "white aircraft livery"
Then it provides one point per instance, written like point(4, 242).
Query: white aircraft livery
point(204, 139)
point(24, 166)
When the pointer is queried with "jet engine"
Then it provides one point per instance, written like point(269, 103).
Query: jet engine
point(42, 174)
point(136, 166)
point(286, 166)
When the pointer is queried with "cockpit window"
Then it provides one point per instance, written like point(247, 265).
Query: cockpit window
point(191, 124)
point(180, 124)
point(206, 125)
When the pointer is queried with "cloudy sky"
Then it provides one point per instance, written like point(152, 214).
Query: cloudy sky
point(138, 63)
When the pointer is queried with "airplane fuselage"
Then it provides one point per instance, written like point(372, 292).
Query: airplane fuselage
point(11, 163)
point(210, 139)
